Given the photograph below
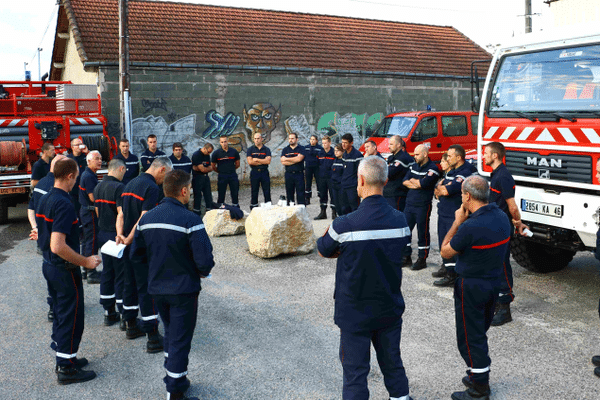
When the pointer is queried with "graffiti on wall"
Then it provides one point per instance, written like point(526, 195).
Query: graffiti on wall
point(360, 126)
point(261, 118)
point(182, 130)
point(220, 125)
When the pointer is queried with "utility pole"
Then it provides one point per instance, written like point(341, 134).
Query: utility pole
point(528, 16)
point(39, 65)
point(124, 70)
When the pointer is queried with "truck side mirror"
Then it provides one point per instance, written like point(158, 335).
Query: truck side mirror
point(417, 136)
point(475, 104)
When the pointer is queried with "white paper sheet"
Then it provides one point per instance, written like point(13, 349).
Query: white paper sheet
point(113, 249)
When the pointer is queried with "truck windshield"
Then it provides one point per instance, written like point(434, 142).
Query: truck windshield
point(560, 80)
point(391, 126)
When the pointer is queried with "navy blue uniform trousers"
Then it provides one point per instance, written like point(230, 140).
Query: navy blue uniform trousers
point(398, 202)
point(419, 216)
point(111, 280)
point(66, 290)
point(89, 224)
point(135, 295)
point(336, 197)
point(201, 186)
point(325, 192)
point(259, 179)
point(356, 361)
point(506, 289)
point(294, 184)
point(179, 314)
point(350, 200)
point(309, 174)
point(444, 225)
point(474, 304)
point(223, 181)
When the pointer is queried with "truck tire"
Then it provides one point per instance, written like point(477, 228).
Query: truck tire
point(537, 257)
point(3, 212)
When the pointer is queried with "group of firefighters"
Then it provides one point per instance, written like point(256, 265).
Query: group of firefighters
point(148, 213)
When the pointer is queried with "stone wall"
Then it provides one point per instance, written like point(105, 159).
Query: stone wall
point(193, 106)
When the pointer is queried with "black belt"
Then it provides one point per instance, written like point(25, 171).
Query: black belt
point(63, 264)
point(259, 169)
point(294, 172)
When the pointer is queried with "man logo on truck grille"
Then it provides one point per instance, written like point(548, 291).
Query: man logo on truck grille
point(543, 162)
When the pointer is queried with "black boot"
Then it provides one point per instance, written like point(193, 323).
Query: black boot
point(419, 264)
point(333, 213)
point(77, 363)
point(93, 277)
point(322, 215)
point(440, 273)
point(597, 371)
point(155, 343)
point(132, 329)
point(596, 361)
point(179, 396)
point(68, 375)
point(502, 315)
point(111, 317)
point(476, 392)
point(407, 262)
point(122, 325)
point(50, 314)
point(447, 281)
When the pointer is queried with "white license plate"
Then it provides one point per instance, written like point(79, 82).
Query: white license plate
point(538, 207)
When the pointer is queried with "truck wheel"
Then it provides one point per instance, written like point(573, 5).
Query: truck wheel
point(3, 212)
point(537, 257)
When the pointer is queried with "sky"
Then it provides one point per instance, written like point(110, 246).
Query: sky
point(27, 25)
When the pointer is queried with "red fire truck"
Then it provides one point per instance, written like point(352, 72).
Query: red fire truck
point(32, 113)
point(541, 99)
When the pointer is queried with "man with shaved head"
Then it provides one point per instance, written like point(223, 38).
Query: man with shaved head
point(420, 181)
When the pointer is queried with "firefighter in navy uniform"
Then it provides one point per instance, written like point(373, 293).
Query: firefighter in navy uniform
point(292, 157)
point(42, 166)
point(109, 204)
point(448, 193)
point(326, 160)
point(259, 158)
point(351, 157)
point(311, 166)
point(201, 166)
point(399, 163)
point(420, 181)
point(140, 196)
point(131, 161)
point(225, 161)
point(43, 187)
point(180, 160)
point(177, 250)
point(151, 153)
point(58, 238)
point(502, 192)
point(368, 297)
point(337, 170)
point(479, 238)
point(87, 213)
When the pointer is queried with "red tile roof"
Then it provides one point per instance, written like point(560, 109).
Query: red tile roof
point(165, 32)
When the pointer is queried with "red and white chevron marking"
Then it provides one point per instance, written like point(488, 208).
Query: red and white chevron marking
point(538, 134)
point(13, 122)
point(85, 121)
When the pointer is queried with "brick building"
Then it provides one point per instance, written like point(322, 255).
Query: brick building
point(198, 71)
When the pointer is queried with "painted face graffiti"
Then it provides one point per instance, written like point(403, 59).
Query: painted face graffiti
point(261, 118)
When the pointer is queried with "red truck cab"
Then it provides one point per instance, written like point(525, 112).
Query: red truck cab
point(437, 129)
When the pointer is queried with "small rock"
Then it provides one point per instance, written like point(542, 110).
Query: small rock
point(220, 223)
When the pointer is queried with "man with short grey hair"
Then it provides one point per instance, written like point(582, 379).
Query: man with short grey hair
point(368, 300)
point(479, 238)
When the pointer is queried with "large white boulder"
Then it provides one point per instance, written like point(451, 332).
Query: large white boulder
point(275, 230)
point(219, 223)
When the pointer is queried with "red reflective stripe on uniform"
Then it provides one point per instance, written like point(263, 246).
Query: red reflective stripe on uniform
point(76, 221)
point(508, 282)
point(105, 201)
point(133, 195)
point(489, 246)
point(495, 191)
point(45, 218)
point(82, 188)
point(462, 298)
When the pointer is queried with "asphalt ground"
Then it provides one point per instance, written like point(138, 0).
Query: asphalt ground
point(265, 331)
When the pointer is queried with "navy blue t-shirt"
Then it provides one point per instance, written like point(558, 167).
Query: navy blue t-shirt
point(82, 164)
point(428, 175)
point(141, 194)
point(482, 242)
point(56, 213)
point(350, 175)
point(288, 152)
point(199, 158)
point(43, 187)
point(337, 170)
point(147, 158)
point(261, 153)
point(398, 166)
point(453, 183)
point(368, 275)
point(185, 164)
point(311, 155)
point(326, 159)
point(225, 160)
point(132, 166)
point(502, 187)
point(107, 197)
point(40, 169)
point(88, 183)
